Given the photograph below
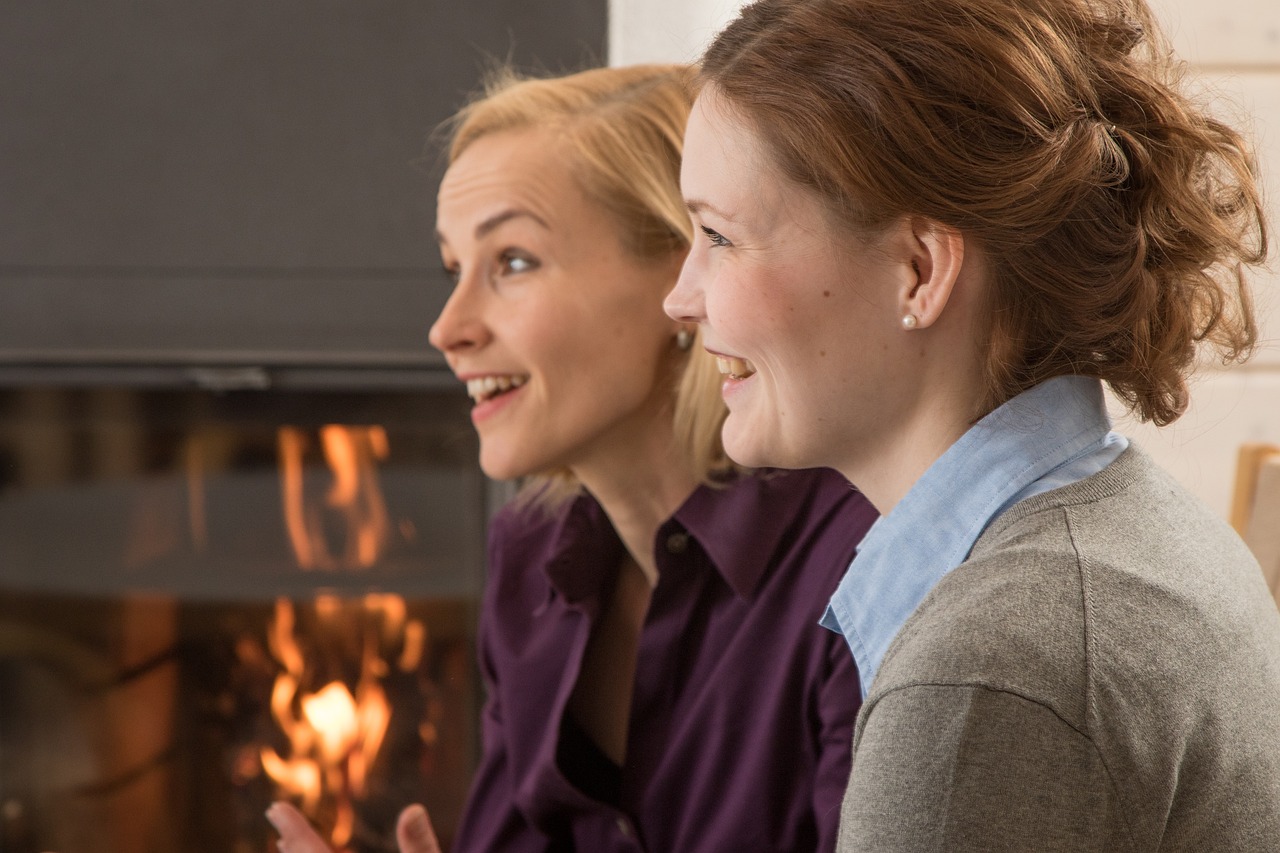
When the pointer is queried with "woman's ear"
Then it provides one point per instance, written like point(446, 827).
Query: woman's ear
point(936, 254)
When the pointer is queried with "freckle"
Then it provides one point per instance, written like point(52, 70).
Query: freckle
point(822, 353)
point(826, 293)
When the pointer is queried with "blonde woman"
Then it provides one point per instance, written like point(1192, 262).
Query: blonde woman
point(657, 677)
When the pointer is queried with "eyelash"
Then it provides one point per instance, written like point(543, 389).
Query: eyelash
point(508, 257)
point(716, 238)
point(505, 261)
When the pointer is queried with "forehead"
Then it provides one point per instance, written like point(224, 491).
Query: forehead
point(729, 174)
point(527, 170)
point(718, 134)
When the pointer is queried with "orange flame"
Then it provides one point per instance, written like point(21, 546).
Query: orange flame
point(355, 496)
point(332, 713)
point(334, 736)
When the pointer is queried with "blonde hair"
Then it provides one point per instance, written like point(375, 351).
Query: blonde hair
point(624, 129)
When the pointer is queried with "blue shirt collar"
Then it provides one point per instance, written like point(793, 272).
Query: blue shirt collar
point(1059, 426)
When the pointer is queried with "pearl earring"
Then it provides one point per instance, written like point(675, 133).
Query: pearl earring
point(910, 321)
point(684, 339)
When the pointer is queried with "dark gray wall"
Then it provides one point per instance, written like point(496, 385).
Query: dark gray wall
point(230, 182)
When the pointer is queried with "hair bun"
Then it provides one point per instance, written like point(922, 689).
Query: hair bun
point(1122, 35)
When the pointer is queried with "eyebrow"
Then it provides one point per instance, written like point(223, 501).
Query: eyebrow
point(695, 205)
point(489, 225)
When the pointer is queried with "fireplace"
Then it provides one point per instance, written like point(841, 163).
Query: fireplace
point(210, 599)
point(241, 520)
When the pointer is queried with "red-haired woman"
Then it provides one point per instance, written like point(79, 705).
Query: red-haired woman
point(931, 232)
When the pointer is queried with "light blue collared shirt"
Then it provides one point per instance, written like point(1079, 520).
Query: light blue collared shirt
point(1050, 436)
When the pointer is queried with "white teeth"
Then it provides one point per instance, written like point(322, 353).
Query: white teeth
point(734, 368)
point(485, 387)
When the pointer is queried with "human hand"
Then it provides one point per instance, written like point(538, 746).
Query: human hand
point(414, 833)
point(297, 835)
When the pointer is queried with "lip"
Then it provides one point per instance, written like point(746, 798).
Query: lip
point(482, 374)
point(733, 366)
point(487, 409)
point(482, 412)
point(723, 354)
point(731, 385)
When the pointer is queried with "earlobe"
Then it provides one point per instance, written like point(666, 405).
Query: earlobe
point(937, 256)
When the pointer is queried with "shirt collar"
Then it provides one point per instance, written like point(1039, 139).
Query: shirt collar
point(585, 550)
point(933, 528)
point(713, 515)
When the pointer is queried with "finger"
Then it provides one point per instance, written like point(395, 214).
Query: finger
point(296, 833)
point(414, 833)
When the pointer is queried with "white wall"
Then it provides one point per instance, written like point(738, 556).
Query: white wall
point(664, 30)
point(1234, 49)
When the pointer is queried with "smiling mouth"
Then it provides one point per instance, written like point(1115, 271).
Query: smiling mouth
point(734, 368)
point(487, 387)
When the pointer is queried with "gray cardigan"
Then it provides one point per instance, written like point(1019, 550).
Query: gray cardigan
point(1102, 674)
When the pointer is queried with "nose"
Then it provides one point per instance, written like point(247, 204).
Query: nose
point(686, 303)
point(460, 326)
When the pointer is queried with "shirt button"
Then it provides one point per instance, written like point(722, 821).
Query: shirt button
point(677, 543)
point(624, 827)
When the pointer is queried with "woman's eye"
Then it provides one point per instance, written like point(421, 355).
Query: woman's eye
point(716, 238)
point(515, 262)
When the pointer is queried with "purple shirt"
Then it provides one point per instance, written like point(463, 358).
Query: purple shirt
point(743, 706)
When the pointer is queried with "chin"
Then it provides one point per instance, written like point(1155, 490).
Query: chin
point(497, 467)
point(748, 448)
point(750, 454)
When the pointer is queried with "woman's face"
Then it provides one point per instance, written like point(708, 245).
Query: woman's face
point(556, 328)
point(804, 317)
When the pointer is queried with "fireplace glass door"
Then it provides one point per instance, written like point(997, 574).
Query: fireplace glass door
point(209, 601)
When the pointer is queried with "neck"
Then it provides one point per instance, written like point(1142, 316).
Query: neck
point(928, 423)
point(639, 490)
point(889, 472)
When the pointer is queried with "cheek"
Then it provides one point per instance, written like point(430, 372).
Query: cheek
point(633, 323)
point(543, 337)
point(774, 329)
point(806, 354)
point(611, 357)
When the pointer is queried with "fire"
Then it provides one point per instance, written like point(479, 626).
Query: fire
point(332, 714)
point(335, 731)
point(334, 735)
point(354, 498)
